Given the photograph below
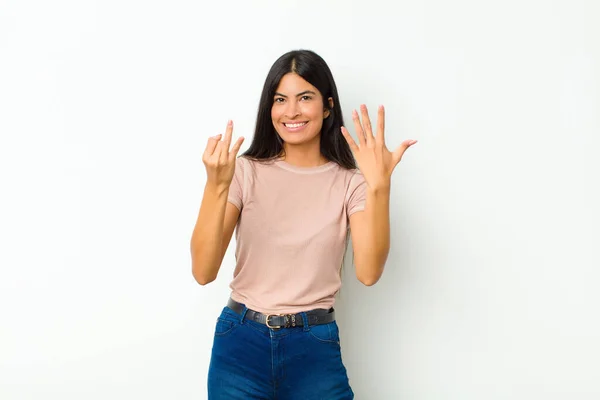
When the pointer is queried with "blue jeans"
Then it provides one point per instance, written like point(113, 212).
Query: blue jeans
point(251, 361)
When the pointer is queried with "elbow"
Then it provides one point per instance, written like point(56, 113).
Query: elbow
point(202, 271)
point(202, 279)
point(368, 281)
point(368, 274)
point(370, 265)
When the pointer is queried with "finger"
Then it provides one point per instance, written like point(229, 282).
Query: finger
point(366, 121)
point(380, 138)
point(218, 154)
point(236, 148)
point(228, 134)
point(399, 152)
point(350, 141)
point(226, 142)
point(211, 145)
point(359, 130)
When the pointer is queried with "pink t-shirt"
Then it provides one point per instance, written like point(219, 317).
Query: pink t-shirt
point(292, 231)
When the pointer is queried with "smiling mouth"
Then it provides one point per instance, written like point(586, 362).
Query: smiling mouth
point(295, 125)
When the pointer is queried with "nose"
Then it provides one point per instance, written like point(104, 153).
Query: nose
point(292, 109)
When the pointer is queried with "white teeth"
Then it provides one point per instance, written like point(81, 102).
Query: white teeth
point(295, 125)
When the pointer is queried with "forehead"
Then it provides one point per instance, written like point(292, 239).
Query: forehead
point(293, 84)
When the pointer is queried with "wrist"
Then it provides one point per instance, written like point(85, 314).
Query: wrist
point(379, 190)
point(219, 188)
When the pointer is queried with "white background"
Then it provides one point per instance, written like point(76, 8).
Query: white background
point(491, 287)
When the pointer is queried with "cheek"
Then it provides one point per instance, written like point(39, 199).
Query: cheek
point(313, 112)
point(318, 125)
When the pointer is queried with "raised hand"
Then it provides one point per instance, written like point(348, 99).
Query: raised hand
point(219, 160)
point(374, 159)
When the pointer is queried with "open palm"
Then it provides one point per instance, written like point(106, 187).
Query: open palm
point(374, 159)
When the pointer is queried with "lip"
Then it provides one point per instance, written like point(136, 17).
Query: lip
point(295, 129)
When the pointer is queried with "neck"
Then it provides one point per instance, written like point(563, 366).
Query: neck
point(303, 157)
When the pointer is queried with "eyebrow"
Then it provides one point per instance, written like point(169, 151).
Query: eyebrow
point(299, 94)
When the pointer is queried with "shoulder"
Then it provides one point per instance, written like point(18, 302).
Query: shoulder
point(250, 168)
point(353, 177)
point(357, 176)
point(244, 163)
point(248, 162)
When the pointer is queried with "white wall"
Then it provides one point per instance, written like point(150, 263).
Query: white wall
point(490, 291)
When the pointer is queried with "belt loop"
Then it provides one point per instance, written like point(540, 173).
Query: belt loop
point(244, 311)
point(305, 321)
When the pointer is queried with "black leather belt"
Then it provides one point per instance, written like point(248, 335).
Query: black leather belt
point(277, 321)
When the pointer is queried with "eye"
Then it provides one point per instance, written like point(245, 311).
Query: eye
point(306, 98)
point(279, 100)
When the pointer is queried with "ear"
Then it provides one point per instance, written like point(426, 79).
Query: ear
point(327, 112)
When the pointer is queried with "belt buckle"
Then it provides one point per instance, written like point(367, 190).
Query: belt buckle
point(273, 315)
point(290, 321)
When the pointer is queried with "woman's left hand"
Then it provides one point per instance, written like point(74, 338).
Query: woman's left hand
point(374, 159)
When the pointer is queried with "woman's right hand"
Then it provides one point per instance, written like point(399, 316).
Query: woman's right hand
point(219, 160)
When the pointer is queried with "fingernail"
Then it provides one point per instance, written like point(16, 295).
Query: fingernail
point(230, 122)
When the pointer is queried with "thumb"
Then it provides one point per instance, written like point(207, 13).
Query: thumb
point(399, 152)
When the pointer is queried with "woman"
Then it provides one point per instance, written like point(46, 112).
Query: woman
point(293, 196)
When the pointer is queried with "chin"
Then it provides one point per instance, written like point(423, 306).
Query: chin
point(291, 139)
point(298, 138)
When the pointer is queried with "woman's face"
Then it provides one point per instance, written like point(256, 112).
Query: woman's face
point(298, 110)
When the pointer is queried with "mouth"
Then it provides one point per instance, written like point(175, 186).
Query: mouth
point(296, 126)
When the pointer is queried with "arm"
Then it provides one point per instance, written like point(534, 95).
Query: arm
point(212, 234)
point(217, 218)
point(370, 230)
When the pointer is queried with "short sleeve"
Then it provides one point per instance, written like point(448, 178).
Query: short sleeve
point(236, 189)
point(357, 194)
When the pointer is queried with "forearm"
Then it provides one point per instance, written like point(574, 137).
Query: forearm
point(207, 238)
point(376, 237)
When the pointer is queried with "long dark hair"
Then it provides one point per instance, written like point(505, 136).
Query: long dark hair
point(267, 144)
